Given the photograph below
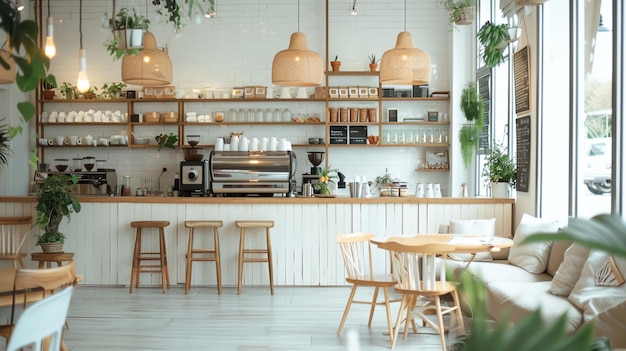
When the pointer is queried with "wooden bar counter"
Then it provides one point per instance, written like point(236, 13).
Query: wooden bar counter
point(303, 239)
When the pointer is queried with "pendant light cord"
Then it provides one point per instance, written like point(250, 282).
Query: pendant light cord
point(48, 8)
point(80, 23)
point(405, 15)
point(298, 15)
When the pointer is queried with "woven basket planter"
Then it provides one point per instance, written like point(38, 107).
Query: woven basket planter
point(52, 247)
point(466, 16)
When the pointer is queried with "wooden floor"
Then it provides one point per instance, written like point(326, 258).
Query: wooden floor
point(295, 318)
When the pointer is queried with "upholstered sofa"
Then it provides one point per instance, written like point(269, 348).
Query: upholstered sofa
point(558, 278)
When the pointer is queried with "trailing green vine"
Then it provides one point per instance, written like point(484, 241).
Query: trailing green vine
point(494, 38)
point(473, 108)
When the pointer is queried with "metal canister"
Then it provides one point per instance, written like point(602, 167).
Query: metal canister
point(307, 190)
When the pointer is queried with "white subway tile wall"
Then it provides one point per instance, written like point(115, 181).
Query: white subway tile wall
point(236, 48)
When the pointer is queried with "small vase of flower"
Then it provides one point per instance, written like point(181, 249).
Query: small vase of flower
point(325, 185)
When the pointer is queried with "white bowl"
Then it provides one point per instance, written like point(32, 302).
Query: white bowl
point(142, 141)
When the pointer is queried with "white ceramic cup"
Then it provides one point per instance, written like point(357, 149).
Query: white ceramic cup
point(419, 190)
point(219, 144)
point(103, 142)
point(302, 93)
point(254, 144)
point(59, 140)
point(71, 140)
point(273, 146)
point(88, 140)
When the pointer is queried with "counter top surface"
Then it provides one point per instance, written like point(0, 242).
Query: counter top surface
point(274, 200)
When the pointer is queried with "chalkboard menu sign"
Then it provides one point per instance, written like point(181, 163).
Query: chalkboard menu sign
point(521, 72)
point(522, 153)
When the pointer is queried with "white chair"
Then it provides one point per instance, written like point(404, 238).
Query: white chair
point(41, 320)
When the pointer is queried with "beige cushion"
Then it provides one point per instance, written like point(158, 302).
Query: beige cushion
point(557, 254)
point(524, 298)
point(593, 298)
point(532, 257)
point(496, 271)
point(479, 227)
point(568, 273)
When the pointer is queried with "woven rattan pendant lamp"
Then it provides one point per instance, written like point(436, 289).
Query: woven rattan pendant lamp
point(297, 66)
point(405, 64)
point(150, 67)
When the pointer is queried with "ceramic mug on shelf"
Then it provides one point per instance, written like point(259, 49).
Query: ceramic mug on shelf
point(88, 139)
point(59, 140)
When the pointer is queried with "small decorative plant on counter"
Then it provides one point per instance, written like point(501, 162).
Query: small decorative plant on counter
point(323, 186)
point(54, 201)
point(166, 140)
point(373, 62)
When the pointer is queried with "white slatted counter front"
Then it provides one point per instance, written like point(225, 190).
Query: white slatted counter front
point(303, 239)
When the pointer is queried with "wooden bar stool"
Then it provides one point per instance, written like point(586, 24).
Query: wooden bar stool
point(139, 256)
point(266, 253)
point(45, 259)
point(203, 255)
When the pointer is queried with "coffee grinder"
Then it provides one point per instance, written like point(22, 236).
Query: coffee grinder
point(194, 171)
point(316, 158)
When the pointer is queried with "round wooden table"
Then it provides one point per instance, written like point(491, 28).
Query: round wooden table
point(46, 259)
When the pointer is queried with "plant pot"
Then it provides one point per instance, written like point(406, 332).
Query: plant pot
point(466, 16)
point(500, 190)
point(335, 65)
point(136, 38)
point(373, 67)
point(52, 247)
point(48, 94)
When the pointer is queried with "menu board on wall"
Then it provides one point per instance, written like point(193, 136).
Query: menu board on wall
point(521, 72)
point(522, 152)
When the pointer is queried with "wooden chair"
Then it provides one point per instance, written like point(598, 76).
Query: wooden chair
point(421, 287)
point(34, 285)
point(13, 231)
point(43, 320)
point(356, 251)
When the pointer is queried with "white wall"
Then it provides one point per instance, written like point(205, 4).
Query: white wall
point(236, 49)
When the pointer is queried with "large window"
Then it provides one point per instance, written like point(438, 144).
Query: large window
point(594, 107)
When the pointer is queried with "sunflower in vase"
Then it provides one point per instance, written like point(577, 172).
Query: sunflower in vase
point(324, 186)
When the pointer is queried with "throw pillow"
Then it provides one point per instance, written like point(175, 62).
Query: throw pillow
point(592, 293)
point(532, 257)
point(570, 269)
point(480, 227)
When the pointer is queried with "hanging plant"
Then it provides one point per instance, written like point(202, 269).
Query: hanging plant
point(173, 12)
point(473, 108)
point(494, 38)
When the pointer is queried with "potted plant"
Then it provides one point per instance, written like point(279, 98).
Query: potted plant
point(112, 90)
point(127, 33)
point(47, 86)
point(67, 90)
point(383, 183)
point(335, 64)
point(166, 140)
point(494, 39)
point(460, 12)
point(54, 201)
point(172, 10)
point(373, 62)
point(473, 108)
point(324, 186)
point(500, 171)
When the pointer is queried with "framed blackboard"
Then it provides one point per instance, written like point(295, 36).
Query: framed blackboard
point(522, 152)
point(521, 73)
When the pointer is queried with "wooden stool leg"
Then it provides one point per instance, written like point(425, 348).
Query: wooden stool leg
point(218, 266)
point(240, 259)
point(269, 258)
point(164, 274)
point(134, 273)
point(22, 264)
point(188, 263)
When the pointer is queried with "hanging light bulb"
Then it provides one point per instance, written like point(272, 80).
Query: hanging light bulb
point(82, 83)
point(353, 9)
point(18, 5)
point(50, 49)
